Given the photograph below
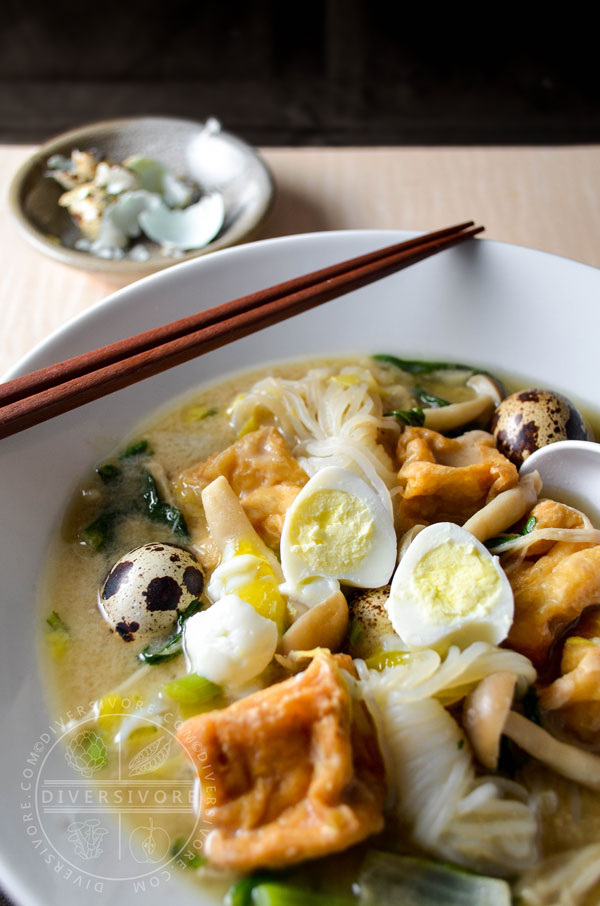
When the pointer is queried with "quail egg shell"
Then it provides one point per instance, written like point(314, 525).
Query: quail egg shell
point(448, 589)
point(530, 419)
point(338, 528)
point(145, 590)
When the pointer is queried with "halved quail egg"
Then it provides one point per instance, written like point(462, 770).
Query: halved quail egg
point(448, 589)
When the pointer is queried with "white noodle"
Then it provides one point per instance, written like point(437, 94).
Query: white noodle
point(484, 823)
point(326, 418)
point(562, 880)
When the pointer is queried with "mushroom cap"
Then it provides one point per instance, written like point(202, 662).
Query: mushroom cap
point(530, 419)
point(485, 711)
point(146, 589)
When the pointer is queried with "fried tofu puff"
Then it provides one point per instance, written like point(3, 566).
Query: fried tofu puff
point(289, 773)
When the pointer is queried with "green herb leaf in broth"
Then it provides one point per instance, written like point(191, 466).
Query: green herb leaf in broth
point(56, 623)
point(164, 649)
point(99, 533)
point(500, 540)
point(142, 447)
point(429, 399)
point(159, 510)
point(417, 366)
point(108, 472)
point(412, 417)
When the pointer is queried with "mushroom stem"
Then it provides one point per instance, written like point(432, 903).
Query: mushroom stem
point(229, 526)
point(446, 418)
point(576, 764)
point(505, 509)
point(323, 626)
point(484, 715)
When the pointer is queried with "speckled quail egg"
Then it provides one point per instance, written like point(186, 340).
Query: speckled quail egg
point(530, 419)
point(338, 528)
point(372, 626)
point(449, 590)
point(145, 590)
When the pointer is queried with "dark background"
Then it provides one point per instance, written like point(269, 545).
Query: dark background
point(336, 72)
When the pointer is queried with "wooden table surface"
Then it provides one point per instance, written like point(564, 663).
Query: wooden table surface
point(544, 198)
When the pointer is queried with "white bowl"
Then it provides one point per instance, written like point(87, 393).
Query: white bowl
point(513, 310)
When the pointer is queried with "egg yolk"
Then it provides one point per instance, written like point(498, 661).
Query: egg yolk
point(454, 580)
point(261, 588)
point(332, 531)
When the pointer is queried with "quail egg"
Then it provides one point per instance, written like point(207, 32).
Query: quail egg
point(338, 528)
point(145, 590)
point(449, 589)
point(530, 419)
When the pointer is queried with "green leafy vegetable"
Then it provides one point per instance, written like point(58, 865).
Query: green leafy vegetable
point(413, 417)
point(163, 649)
point(137, 449)
point(58, 636)
point(390, 878)
point(108, 472)
point(192, 689)
point(500, 540)
point(412, 366)
point(159, 510)
point(56, 623)
point(429, 398)
point(100, 532)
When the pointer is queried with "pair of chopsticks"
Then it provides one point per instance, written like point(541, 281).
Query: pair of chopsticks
point(36, 397)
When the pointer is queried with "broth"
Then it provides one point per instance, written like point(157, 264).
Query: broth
point(96, 666)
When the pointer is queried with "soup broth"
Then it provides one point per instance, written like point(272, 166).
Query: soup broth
point(98, 678)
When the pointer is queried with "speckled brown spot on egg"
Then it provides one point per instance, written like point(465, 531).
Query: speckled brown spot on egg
point(115, 578)
point(163, 593)
point(149, 586)
point(127, 630)
point(193, 580)
point(533, 418)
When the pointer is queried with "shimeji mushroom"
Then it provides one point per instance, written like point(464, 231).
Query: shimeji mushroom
point(479, 409)
point(487, 716)
point(323, 626)
point(506, 509)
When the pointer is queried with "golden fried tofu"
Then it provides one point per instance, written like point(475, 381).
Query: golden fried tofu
point(576, 694)
point(447, 479)
point(289, 773)
point(263, 474)
point(552, 585)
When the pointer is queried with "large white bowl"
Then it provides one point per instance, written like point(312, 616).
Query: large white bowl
point(511, 309)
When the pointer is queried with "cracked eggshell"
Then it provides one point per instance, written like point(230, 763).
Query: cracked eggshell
point(146, 589)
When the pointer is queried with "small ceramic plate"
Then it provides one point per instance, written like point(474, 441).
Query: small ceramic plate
point(211, 158)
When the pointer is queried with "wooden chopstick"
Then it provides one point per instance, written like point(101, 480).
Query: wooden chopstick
point(43, 394)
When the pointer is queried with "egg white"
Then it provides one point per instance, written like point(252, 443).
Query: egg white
point(337, 528)
point(449, 589)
